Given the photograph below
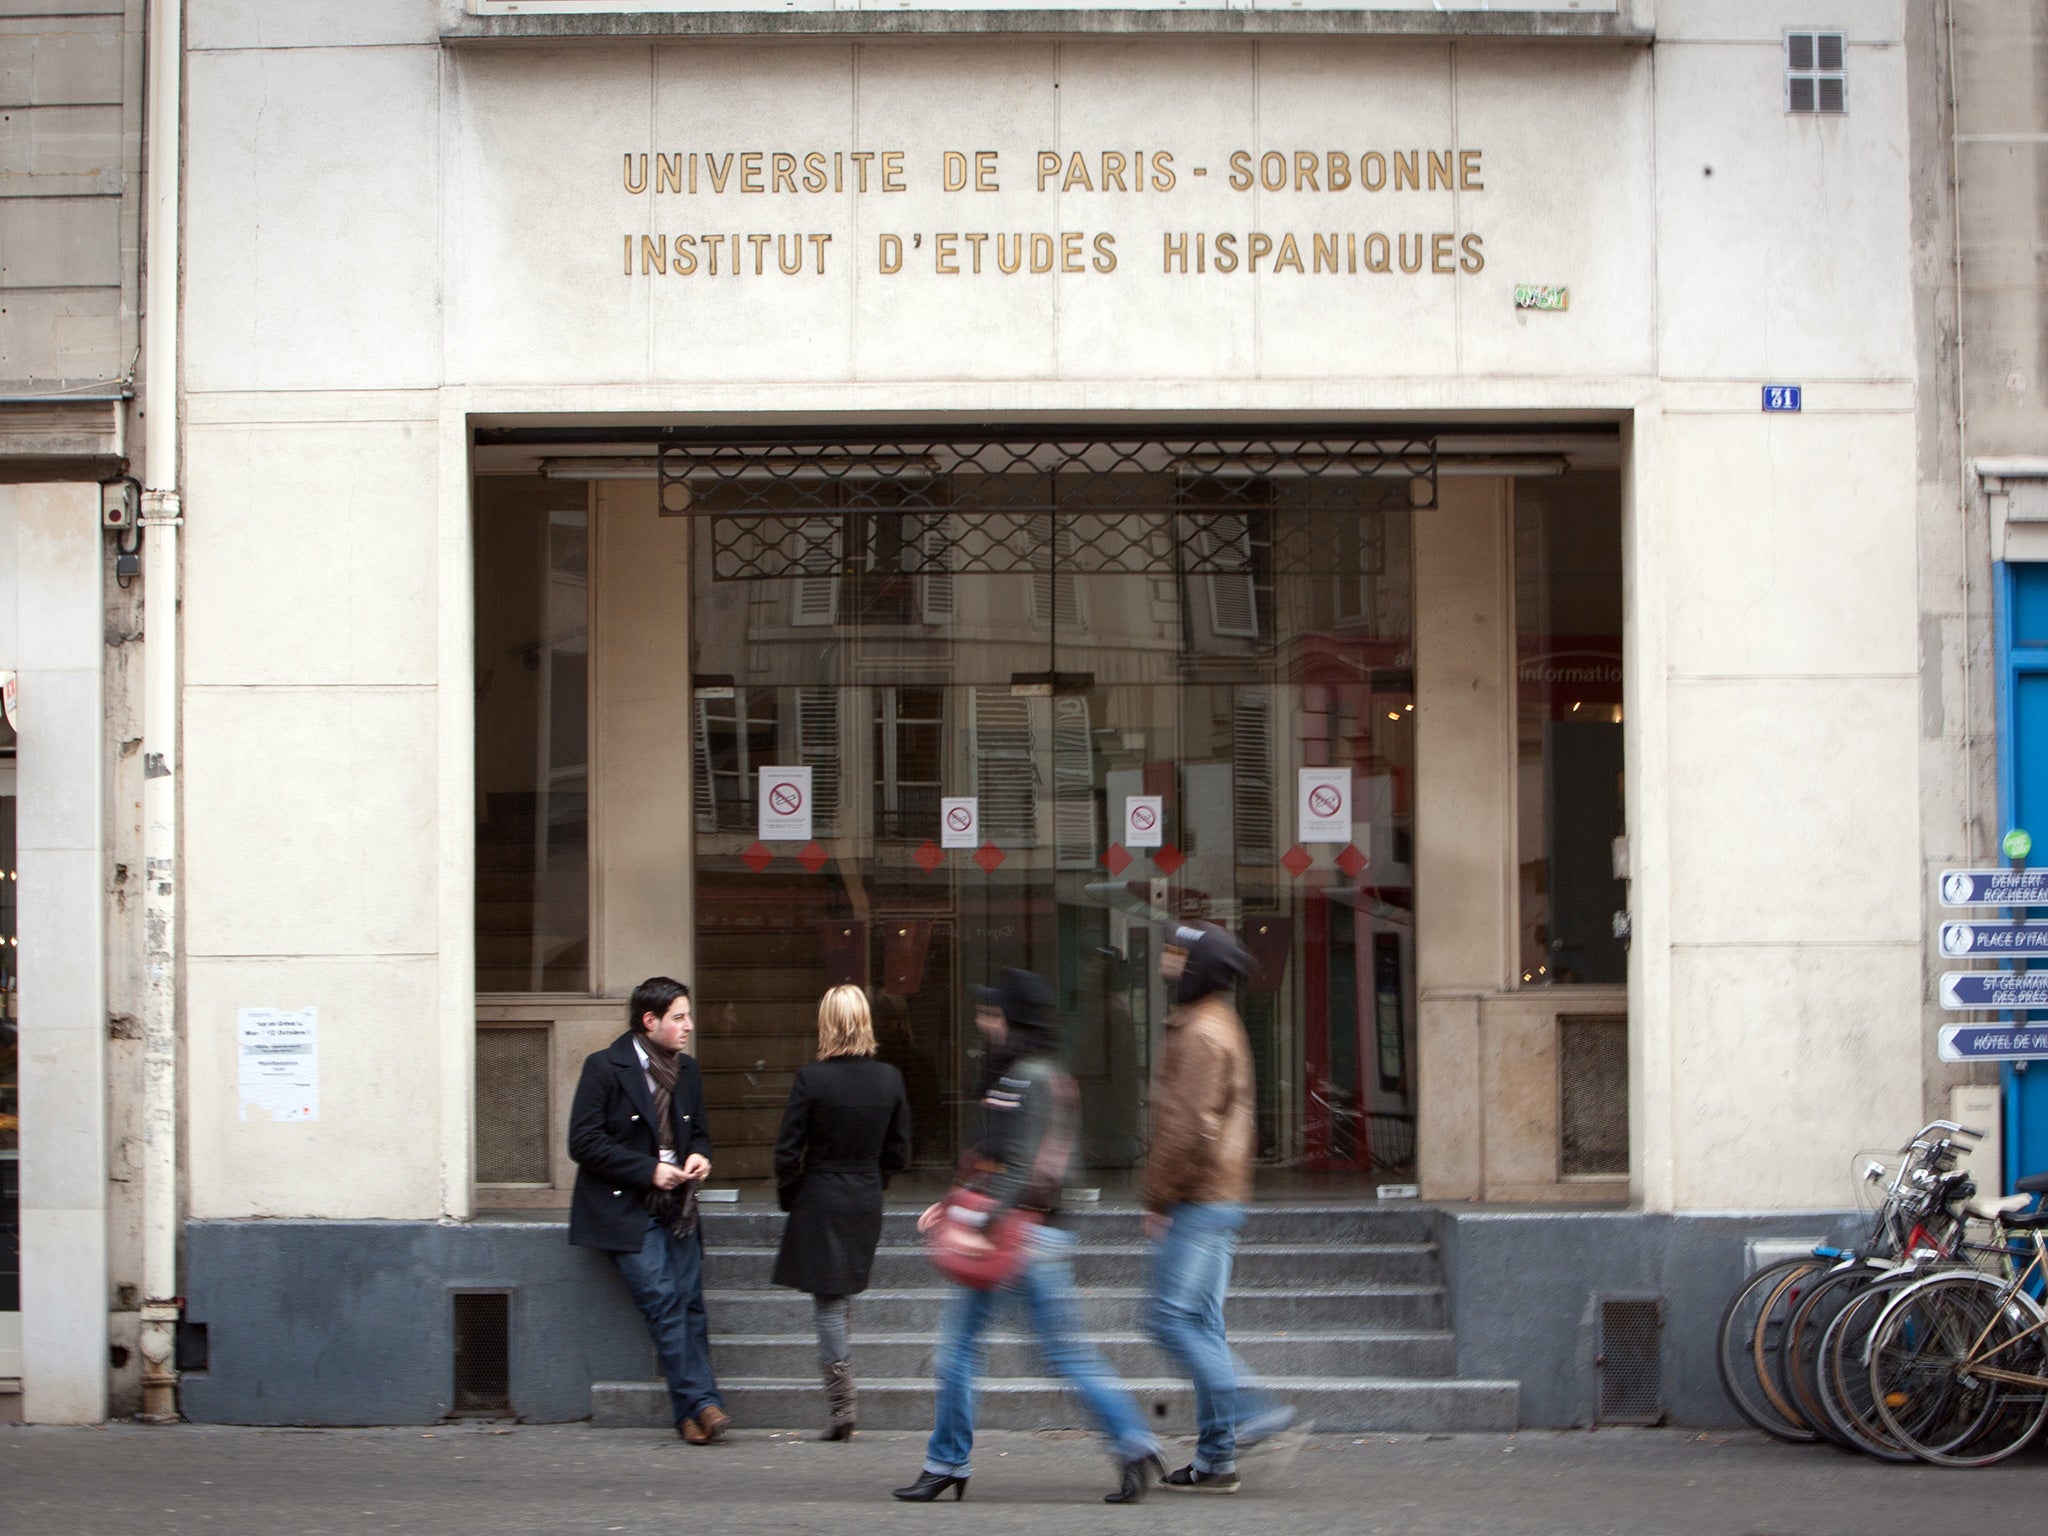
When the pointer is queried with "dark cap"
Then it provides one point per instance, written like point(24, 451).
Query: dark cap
point(1020, 996)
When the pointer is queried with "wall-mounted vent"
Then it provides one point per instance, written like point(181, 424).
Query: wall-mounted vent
point(1816, 78)
point(1627, 1359)
point(483, 1352)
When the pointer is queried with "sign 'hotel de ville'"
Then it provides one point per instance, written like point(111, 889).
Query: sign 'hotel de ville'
point(1532, 517)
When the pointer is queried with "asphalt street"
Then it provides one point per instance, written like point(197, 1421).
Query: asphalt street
point(512, 1480)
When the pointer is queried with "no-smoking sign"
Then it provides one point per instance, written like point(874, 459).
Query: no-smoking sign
point(1325, 805)
point(959, 822)
point(1144, 821)
point(785, 805)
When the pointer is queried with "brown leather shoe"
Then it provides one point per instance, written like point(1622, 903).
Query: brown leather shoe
point(710, 1424)
point(688, 1429)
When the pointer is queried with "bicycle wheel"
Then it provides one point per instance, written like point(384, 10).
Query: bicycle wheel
point(1932, 1359)
point(1843, 1376)
point(1742, 1320)
point(1799, 1349)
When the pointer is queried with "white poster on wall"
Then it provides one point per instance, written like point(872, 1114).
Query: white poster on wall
point(1144, 821)
point(959, 822)
point(1324, 805)
point(785, 805)
point(280, 1051)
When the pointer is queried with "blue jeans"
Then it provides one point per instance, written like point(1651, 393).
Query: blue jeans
point(1046, 1290)
point(1190, 1277)
point(666, 1281)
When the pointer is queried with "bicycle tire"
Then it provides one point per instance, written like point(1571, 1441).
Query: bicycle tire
point(1844, 1386)
point(1930, 1398)
point(1735, 1356)
point(1799, 1349)
point(1766, 1346)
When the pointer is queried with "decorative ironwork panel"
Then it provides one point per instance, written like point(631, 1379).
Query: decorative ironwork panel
point(1199, 505)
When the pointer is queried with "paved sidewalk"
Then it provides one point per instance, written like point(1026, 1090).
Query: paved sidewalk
point(125, 1480)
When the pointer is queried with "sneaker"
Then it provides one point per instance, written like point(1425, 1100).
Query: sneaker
point(1188, 1480)
point(1264, 1426)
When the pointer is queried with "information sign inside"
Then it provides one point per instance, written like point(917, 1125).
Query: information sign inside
point(1144, 821)
point(1993, 1042)
point(960, 822)
point(1994, 887)
point(1994, 989)
point(1324, 805)
point(785, 805)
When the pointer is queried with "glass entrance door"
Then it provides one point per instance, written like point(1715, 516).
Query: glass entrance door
point(1110, 663)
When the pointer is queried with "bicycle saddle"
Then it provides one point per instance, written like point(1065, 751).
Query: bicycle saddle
point(1991, 1207)
point(2036, 1185)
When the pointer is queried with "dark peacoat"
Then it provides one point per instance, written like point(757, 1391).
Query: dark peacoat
point(847, 1129)
point(611, 1136)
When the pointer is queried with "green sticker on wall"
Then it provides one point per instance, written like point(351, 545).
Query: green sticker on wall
point(2018, 844)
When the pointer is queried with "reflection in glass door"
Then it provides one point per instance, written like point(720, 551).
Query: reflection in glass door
point(1122, 655)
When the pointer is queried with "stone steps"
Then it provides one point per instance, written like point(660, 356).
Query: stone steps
point(1340, 1309)
point(1329, 1404)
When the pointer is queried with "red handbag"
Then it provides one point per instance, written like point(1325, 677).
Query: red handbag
point(970, 1250)
point(983, 1255)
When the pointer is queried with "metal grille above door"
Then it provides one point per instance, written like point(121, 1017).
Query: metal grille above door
point(1200, 504)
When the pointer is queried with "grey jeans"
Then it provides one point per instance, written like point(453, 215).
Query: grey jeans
point(834, 1316)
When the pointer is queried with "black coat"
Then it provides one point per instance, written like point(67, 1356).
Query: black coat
point(611, 1136)
point(846, 1130)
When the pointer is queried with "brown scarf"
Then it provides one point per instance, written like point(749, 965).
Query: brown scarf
point(662, 1067)
point(676, 1208)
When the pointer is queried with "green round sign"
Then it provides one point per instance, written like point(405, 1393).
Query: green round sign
point(2018, 844)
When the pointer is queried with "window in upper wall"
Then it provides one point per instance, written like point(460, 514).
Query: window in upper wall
point(1816, 78)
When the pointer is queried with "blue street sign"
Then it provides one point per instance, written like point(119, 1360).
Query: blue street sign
point(1994, 939)
point(1994, 887)
point(1993, 1042)
point(1781, 397)
point(1994, 989)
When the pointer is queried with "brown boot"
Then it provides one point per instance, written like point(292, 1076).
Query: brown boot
point(839, 1393)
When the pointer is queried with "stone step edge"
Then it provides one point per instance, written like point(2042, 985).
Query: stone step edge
point(1137, 1386)
point(939, 1288)
point(1118, 1336)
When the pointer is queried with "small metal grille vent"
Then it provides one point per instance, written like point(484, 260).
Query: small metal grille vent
point(1592, 1087)
point(483, 1352)
point(1628, 1360)
point(512, 1105)
point(1816, 78)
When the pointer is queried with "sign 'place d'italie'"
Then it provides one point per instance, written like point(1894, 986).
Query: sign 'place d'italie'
point(1334, 212)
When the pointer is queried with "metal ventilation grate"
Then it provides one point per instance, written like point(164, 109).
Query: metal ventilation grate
point(512, 1142)
point(1628, 1360)
point(483, 1352)
point(1592, 1092)
point(911, 505)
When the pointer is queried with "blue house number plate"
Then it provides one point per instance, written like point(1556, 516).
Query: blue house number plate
point(1781, 397)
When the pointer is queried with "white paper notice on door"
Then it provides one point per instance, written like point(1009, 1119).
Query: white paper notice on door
point(280, 1049)
point(960, 821)
point(1325, 805)
point(1144, 821)
point(785, 805)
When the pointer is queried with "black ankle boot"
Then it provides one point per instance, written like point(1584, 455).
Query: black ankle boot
point(930, 1485)
point(1137, 1477)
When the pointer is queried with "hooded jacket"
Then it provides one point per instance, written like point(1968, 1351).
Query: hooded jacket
point(1028, 1116)
point(1203, 1134)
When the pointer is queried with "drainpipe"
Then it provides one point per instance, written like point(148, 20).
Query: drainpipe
point(162, 514)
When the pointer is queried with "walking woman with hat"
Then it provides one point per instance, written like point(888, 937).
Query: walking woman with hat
point(1026, 1142)
point(846, 1130)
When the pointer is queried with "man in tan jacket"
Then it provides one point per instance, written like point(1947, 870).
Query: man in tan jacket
point(1198, 1174)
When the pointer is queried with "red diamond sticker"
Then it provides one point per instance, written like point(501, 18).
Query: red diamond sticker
point(1296, 861)
point(929, 856)
point(813, 857)
point(989, 857)
point(1351, 861)
point(1167, 859)
point(758, 856)
point(1116, 860)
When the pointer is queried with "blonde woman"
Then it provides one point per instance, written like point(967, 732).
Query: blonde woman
point(847, 1129)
